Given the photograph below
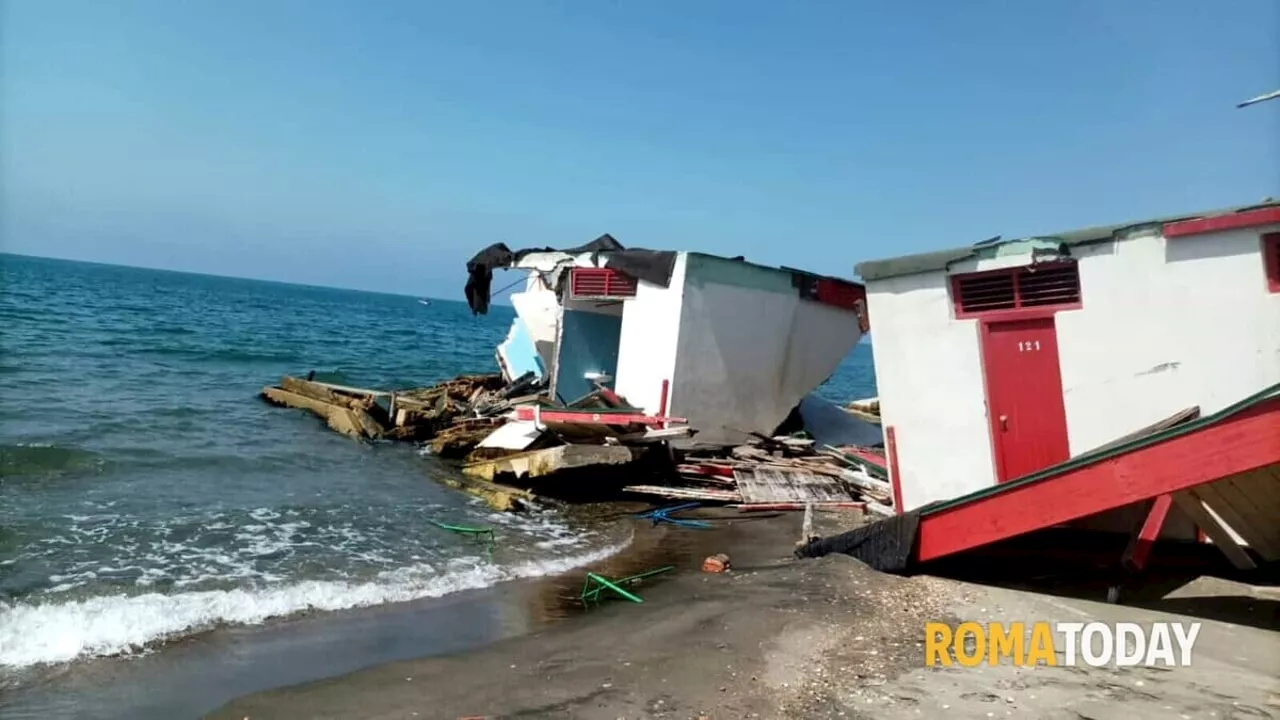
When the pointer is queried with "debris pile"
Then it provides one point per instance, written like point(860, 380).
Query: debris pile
point(508, 433)
point(350, 411)
point(454, 415)
point(516, 445)
point(782, 473)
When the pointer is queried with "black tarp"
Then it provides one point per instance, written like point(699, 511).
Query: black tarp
point(653, 266)
point(888, 545)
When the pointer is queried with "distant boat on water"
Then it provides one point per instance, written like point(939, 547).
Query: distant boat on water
point(424, 301)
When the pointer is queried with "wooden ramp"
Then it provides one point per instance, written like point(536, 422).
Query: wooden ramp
point(1222, 469)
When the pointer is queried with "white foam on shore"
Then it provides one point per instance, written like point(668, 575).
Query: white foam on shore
point(46, 633)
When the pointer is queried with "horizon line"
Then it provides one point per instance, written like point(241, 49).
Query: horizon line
point(223, 277)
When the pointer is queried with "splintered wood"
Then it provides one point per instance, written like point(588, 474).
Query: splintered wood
point(781, 473)
point(783, 485)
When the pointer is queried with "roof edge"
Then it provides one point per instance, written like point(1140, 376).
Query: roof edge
point(873, 270)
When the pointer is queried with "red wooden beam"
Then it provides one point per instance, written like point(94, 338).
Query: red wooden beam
point(1236, 444)
point(1219, 223)
point(1139, 549)
point(588, 417)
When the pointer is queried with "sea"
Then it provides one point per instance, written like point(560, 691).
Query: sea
point(155, 513)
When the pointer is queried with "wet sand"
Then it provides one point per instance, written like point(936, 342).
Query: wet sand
point(740, 644)
point(781, 638)
point(192, 676)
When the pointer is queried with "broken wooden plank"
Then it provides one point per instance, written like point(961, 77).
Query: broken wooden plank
point(498, 497)
point(321, 392)
point(758, 507)
point(685, 493)
point(1178, 418)
point(515, 435)
point(598, 416)
point(709, 480)
point(779, 484)
point(747, 452)
point(657, 435)
point(868, 485)
point(540, 463)
point(459, 439)
point(880, 509)
point(714, 469)
point(1194, 508)
point(874, 465)
point(347, 420)
point(349, 389)
point(862, 415)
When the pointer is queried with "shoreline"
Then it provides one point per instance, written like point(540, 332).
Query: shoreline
point(741, 643)
point(777, 637)
point(774, 637)
point(193, 674)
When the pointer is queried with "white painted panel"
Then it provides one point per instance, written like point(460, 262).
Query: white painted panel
point(1166, 324)
point(650, 330)
point(929, 376)
point(748, 355)
point(539, 308)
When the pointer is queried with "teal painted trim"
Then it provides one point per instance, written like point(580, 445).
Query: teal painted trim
point(701, 270)
point(1015, 248)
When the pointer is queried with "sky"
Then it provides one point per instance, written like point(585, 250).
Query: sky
point(379, 145)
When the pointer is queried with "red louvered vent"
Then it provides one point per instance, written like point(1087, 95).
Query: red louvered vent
point(600, 283)
point(985, 292)
point(1048, 285)
point(1035, 286)
point(1271, 260)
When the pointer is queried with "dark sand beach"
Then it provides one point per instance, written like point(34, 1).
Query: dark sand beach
point(782, 638)
point(726, 645)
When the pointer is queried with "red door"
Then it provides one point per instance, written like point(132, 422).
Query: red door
point(1024, 396)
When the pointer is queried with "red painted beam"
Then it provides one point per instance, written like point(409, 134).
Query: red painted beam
point(1219, 223)
point(1236, 444)
point(587, 417)
point(1135, 556)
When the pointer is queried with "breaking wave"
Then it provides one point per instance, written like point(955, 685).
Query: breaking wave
point(47, 633)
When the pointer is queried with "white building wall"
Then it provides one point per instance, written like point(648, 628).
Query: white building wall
point(929, 378)
point(750, 349)
point(1165, 325)
point(650, 333)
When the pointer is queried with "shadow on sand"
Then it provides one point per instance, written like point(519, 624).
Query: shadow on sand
point(1189, 579)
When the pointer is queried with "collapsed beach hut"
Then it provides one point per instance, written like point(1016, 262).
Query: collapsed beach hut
point(729, 346)
point(1033, 382)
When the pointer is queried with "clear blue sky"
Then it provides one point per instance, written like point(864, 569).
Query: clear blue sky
point(377, 145)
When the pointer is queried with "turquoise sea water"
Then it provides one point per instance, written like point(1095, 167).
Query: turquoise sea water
point(146, 494)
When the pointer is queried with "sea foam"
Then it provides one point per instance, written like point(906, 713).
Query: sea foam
point(52, 632)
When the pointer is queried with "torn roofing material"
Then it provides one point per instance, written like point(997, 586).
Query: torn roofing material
point(652, 266)
point(943, 259)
